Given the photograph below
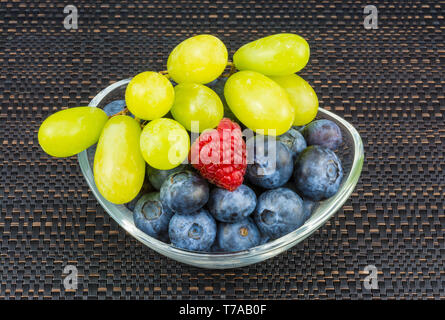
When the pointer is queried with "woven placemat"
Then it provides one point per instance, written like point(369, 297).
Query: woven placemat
point(388, 82)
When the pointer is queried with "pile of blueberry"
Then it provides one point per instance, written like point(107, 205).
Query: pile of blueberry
point(280, 191)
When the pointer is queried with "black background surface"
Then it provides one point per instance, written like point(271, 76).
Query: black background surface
point(387, 82)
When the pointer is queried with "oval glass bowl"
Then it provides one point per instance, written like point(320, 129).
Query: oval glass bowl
point(350, 152)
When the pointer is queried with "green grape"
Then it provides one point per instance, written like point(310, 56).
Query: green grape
point(149, 95)
point(196, 102)
point(277, 55)
point(164, 143)
point(119, 169)
point(199, 59)
point(259, 103)
point(70, 131)
point(302, 97)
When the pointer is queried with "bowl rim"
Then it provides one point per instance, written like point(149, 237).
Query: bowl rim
point(242, 258)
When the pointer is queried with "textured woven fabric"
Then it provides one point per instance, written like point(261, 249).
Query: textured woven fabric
point(388, 82)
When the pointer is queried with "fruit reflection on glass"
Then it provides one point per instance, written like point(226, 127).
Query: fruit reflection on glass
point(204, 194)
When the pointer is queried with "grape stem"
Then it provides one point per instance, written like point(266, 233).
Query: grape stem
point(231, 71)
point(143, 124)
point(125, 112)
point(120, 113)
point(165, 74)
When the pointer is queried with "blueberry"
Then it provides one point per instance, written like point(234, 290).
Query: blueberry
point(114, 107)
point(264, 239)
point(272, 163)
point(318, 173)
point(146, 187)
point(132, 204)
point(299, 128)
point(279, 212)
point(184, 192)
point(151, 216)
point(157, 177)
point(193, 231)
point(258, 190)
point(215, 247)
point(164, 237)
point(325, 133)
point(294, 140)
point(238, 236)
point(308, 207)
point(291, 185)
point(91, 151)
point(226, 206)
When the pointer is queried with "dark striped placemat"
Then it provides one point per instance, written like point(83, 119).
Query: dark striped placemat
point(388, 82)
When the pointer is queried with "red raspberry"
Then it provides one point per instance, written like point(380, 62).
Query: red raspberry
point(220, 155)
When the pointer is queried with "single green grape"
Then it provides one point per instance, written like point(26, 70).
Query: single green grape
point(302, 97)
point(119, 169)
point(164, 143)
point(70, 131)
point(199, 59)
point(259, 103)
point(276, 55)
point(149, 95)
point(196, 102)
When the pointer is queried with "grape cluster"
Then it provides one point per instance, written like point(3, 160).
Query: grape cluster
point(146, 138)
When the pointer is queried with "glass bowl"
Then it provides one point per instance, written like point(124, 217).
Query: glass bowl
point(350, 152)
